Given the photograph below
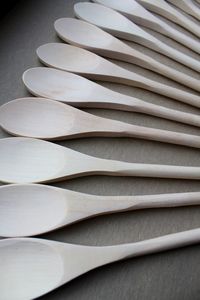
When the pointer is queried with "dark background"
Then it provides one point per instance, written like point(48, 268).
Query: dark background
point(6, 6)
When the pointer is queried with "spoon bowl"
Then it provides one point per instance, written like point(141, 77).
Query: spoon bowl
point(66, 87)
point(32, 269)
point(57, 120)
point(70, 58)
point(31, 209)
point(80, 32)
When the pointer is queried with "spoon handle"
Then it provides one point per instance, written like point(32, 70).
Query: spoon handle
point(166, 113)
point(188, 6)
point(167, 200)
point(178, 56)
point(156, 66)
point(127, 103)
point(180, 37)
point(129, 78)
point(158, 244)
point(107, 204)
point(119, 168)
point(116, 128)
point(168, 11)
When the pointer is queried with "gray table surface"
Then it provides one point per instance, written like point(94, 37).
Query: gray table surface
point(170, 275)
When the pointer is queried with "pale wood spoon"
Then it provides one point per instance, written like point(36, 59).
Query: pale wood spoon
point(139, 15)
point(34, 267)
point(26, 160)
point(89, 36)
point(80, 92)
point(81, 61)
point(50, 120)
point(169, 12)
point(32, 209)
point(118, 25)
point(187, 6)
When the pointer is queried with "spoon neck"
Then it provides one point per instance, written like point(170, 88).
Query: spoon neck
point(120, 129)
point(83, 206)
point(92, 257)
point(137, 35)
point(147, 62)
point(133, 79)
point(128, 203)
point(154, 245)
point(150, 21)
point(119, 168)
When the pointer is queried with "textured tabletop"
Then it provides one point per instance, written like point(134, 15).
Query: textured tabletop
point(173, 275)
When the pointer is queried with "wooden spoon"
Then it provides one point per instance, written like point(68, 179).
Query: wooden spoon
point(77, 60)
point(118, 25)
point(139, 15)
point(61, 121)
point(88, 36)
point(187, 6)
point(34, 267)
point(32, 209)
point(169, 12)
point(26, 160)
point(81, 92)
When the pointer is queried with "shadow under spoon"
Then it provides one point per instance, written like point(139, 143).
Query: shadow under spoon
point(27, 160)
point(81, 61)
point(141, 16)
point(34, 267)
point(32, 209)
point(48, 119)
point(90, 37)
point(80, 92)
point(120, 26)
point(169, 12)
